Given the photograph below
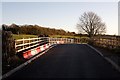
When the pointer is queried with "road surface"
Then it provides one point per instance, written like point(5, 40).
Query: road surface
point(68, 61)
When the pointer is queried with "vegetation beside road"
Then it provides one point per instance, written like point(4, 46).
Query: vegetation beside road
point(35, 30)
point(11, 60)
point(21, 36)
point(64, 36)
point(15, 36)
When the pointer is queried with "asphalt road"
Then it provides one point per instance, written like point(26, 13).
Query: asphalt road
point(68, 61)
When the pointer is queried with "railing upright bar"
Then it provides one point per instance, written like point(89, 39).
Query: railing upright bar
point(23, 43)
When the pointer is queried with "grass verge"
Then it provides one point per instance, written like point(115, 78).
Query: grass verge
point(15, 36)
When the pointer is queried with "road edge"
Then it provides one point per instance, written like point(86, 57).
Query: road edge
point(26, 63)
point(117, 67)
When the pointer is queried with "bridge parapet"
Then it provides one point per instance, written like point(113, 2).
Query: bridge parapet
point(23, 44)
point(32, 46)
point(60, 40)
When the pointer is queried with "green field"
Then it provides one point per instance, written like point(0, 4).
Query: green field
point(62, 36)
point(21, 36)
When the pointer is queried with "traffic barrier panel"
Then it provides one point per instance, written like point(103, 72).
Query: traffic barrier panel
point(42, 48)
point(28, 54)
point(38, 49)
point(47, 46)
point(25, 55)
point(33, 52)
point(58, 42)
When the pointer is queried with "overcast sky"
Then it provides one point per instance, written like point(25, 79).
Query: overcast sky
point(59, 15)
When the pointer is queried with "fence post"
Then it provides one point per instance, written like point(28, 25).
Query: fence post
point(15, 46)
point(23, 43)
point(29, 42)
point(38, 40)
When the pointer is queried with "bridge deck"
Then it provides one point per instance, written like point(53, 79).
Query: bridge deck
point(68, 61)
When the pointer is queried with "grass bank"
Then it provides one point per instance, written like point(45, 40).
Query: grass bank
point(23, 36)
point(15, 36)
point(63, 36)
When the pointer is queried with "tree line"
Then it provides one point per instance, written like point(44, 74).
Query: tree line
point(34, 30)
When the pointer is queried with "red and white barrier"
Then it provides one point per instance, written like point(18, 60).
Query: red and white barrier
point(28, 54)
point(60, 42)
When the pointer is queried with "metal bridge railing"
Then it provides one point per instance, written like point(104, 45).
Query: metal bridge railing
point(60, 40)
point(23, 44)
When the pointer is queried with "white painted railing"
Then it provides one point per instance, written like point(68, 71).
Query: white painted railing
point(24, 44)
point(60, 40)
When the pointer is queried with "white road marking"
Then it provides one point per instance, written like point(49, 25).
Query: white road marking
point(26, 63)
point(95, 49)
point(117, 67)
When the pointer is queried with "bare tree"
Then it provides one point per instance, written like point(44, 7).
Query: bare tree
point(91, 24)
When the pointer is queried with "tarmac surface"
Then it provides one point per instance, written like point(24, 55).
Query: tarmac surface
point(68, 61)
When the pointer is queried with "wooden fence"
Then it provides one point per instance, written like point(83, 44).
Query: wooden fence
point(107, 42)
point(81, 40)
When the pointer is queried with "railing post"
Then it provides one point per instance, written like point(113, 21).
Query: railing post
point(39, 40)
point(29, 42)
point(15, 47)
point(23, 43)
